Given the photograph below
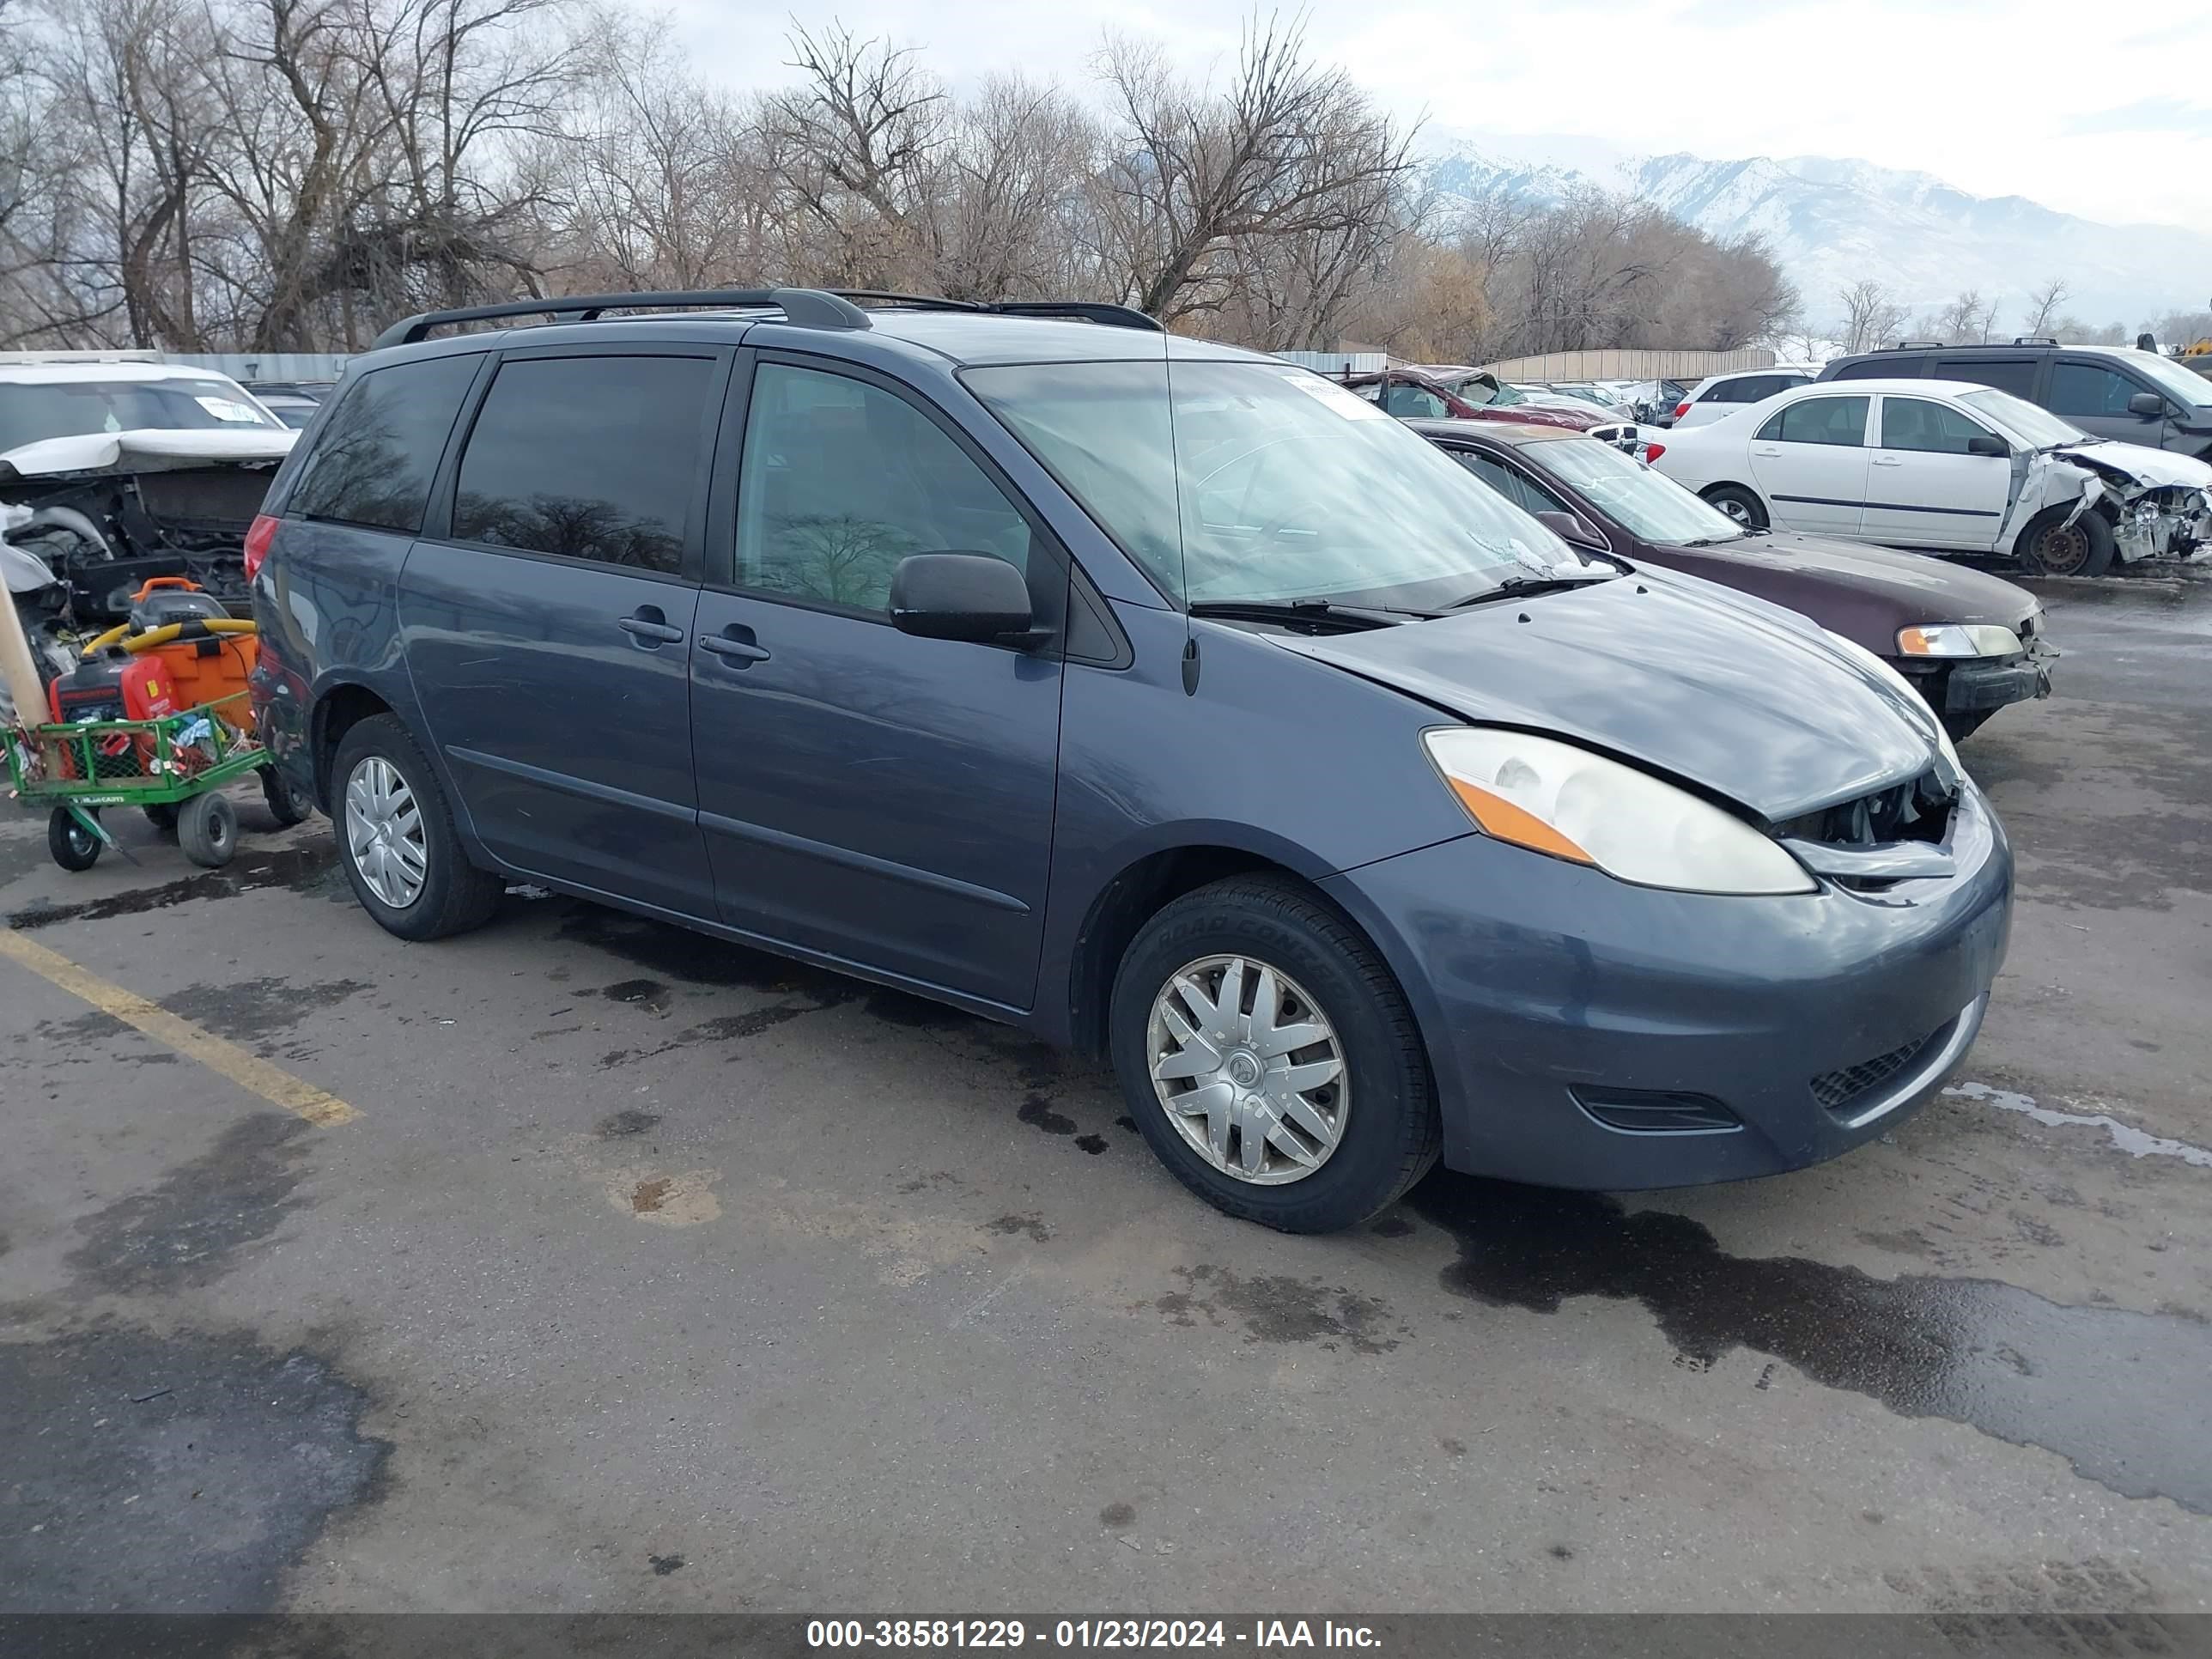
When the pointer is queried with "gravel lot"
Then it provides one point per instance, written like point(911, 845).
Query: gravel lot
point(653, 1273)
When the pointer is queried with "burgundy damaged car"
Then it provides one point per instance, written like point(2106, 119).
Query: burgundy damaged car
point(1470, 395)
point(1969, 642)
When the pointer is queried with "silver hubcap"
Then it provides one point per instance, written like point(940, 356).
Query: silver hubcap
point(1735, 509)
point(384, 832)
point(1248, 1070)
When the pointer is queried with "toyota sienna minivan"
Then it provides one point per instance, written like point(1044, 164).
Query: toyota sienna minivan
point(1162, 699)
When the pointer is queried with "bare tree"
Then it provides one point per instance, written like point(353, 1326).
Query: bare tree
point(1288, 149)
point(1871, 318)
point(1963, 321)
point(2042, 314)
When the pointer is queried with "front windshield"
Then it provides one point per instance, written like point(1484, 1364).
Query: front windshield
point(1655, 508)
point(1290, 487)
point(2187, 388)
point(31, 410)
point(1478, 390)
point(2038, 426)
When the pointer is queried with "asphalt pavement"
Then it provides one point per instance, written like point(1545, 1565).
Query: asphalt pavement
point(583, 1263)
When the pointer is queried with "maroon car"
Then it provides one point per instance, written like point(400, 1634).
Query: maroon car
point(1970, 642)
point(1469, 395)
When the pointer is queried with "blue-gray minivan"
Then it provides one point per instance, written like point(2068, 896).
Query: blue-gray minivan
point(1162, 699)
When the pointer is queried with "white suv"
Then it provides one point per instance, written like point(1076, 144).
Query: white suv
point(1723, 394)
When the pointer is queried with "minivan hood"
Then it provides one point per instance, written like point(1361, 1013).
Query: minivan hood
point(149, 450)
point(1678, 676)
point(1926, 590)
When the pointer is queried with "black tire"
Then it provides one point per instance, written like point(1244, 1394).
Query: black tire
point(1962, 726)
point(162, 815)
point(207, 829)
point(1392, 1133)
point(74, 847)
point(455, 895)
point(2048, 547)
point(286, 804)
point(1740, 504)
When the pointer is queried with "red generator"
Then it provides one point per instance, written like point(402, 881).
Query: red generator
point(112, 686)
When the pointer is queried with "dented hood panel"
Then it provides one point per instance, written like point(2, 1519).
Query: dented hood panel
point(2152, 469)
point(1667, 672)
point(153, 450)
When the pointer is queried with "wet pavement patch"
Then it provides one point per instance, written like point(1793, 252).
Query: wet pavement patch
point(181, 1472)
point(1278, 1308)
point(1037, 1112)
point(2108, 1390)
point(255, 1010)
point(628, 1121)
point(186, 1230)
point(670, 952)
point(300, 869)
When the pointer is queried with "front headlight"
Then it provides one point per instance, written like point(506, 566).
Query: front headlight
point(1930, 722)
point(1554, 798)
point(1957, 640)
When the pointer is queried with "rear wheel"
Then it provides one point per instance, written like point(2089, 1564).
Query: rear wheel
point(1270, 1059)
point(1740, 504)
point(397, 840)
point(73, 846)
point(287, 805)
point(207, 829)
point(2052, 547)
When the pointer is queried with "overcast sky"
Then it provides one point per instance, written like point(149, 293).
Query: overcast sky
point(2103, 110)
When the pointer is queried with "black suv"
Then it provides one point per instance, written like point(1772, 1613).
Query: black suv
point(2109, 391)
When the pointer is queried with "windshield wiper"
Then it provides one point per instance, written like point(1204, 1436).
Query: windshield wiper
point(1715, 541)
point(1522, 587)
point(1317, 614)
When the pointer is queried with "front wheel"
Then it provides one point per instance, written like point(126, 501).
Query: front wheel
point(397, 840)
point(73, 847)
point(2052, 547)
point(1270, 1059)
point(1740, 504)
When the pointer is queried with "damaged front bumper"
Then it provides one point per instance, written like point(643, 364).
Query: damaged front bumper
point(1982, 682)
point(2168, 523)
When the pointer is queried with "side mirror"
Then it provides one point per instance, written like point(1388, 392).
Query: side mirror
point(2148, 404)
point(1570, 528)
point(1983, 444)
point(959, 596)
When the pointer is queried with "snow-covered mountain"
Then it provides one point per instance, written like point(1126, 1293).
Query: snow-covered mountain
point(1832, 222)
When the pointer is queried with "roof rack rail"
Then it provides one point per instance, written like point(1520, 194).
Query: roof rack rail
point(1914, 345)
point(2035, 340)
point(805, 307)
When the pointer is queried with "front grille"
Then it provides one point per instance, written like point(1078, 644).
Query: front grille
point(1919, 809)
point(1840, 1090)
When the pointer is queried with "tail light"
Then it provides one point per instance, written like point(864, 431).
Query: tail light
point(1653, 452)
point(257, 537)
point(1681, 409)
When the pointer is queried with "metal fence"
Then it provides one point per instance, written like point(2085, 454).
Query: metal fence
point(266, 365)
point(1338, 362)
point(1630, 365)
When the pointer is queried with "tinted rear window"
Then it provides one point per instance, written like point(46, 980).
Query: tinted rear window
point(380, 449)
point(590, 457)
point(1882, 369)
point(2013, 374)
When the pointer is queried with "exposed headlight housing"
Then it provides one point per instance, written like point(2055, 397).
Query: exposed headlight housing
point(1930, 722)
point(1958, 640)
point(1568, 802)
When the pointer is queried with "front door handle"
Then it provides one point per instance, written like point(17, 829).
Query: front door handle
point(735, 645)
point(647, 626)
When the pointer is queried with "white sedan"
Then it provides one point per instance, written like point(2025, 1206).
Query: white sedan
point(1944, 466)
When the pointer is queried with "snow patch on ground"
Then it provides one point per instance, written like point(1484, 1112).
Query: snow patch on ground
point(2136, 1143)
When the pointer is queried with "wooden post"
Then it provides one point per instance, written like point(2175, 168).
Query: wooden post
point(18, 674)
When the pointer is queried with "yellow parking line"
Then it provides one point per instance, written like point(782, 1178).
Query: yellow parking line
point(250, 1072)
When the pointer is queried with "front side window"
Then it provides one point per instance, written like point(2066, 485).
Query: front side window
point(1524, 493)
point(841, 480)
point(589, 457)
point(1839, 422)
point(1260, 481)
point(1931, 429)
point(2089, 389)
point(373, 462)
point(2036, 427)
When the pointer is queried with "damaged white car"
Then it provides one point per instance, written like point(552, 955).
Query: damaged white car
point(112, 472)
point(1945, 466)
